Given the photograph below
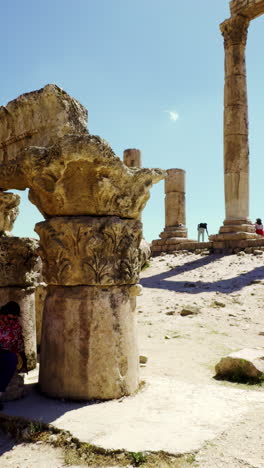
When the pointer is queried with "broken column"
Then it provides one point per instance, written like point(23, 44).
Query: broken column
point(20, 269)
point(237, 225)
point(89, 243)
point(175, 231)
point(132, 157)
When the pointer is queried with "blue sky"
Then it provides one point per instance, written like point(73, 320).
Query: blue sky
point(151, 74)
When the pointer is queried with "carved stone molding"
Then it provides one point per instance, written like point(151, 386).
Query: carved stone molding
point(80, 175)
point(235, 30)
point(19, 262)
point(89, 251)
point(8, 210)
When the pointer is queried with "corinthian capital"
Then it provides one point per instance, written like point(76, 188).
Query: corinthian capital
point(235, 30)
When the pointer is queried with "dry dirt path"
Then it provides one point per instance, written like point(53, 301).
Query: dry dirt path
point(226, 294)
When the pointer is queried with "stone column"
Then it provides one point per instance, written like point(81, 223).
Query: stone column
point(132, 157)
point(92, 205)
point(175, 202)
point(175, 231)
point(19, 272)
point(236, 149)
point(91, 265)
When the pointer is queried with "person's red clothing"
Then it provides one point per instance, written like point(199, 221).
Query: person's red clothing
point(11, 337)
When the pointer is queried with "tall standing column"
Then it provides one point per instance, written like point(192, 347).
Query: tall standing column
point(175, 231)
point(236, 149)
point(175, 202)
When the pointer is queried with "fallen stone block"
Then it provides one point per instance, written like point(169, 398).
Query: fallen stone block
point(244, 365)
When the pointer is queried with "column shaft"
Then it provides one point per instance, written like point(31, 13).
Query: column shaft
point(236, 150)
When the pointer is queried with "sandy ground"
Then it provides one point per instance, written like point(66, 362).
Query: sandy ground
point(226, 295)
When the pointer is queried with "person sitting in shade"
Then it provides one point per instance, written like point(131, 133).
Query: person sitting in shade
point(259, 227)
point(201, 228)
point(12, 355)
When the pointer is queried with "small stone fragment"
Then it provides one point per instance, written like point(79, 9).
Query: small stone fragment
point(189, 311)
point(143, 359)
point(218, 304)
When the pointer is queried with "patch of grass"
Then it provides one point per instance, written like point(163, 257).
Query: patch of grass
point(145, 266)
point(138, 458)
point(81, 453)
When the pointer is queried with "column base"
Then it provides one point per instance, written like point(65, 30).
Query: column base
point(232, 230)
point(170, 238)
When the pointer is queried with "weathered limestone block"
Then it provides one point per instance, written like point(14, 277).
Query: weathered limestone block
point(89, 250)
point(40, 295)
point(39, 118)
point(19, 262)
point(106, 186)
point(175, 209)
point(175, 181)
point(9, 203)
point(249, 8)
point(92, 333)
point(132, 157)
point(243, 364)
point(25, 297)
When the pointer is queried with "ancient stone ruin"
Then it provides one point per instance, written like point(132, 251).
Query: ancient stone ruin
point(20, 274)
point(89, 242)
point(175, 231)
point(237, 228)
point(237, 232)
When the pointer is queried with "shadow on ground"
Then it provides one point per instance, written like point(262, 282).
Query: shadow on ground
point(227, 286)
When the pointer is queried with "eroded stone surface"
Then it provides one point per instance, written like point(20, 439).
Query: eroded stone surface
point(132, 157)
point(80, 175)
point(9, 203)
point(90, 250)
point(39, 118)
point(19, 262)
point(92, 333)
point(249, 8)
